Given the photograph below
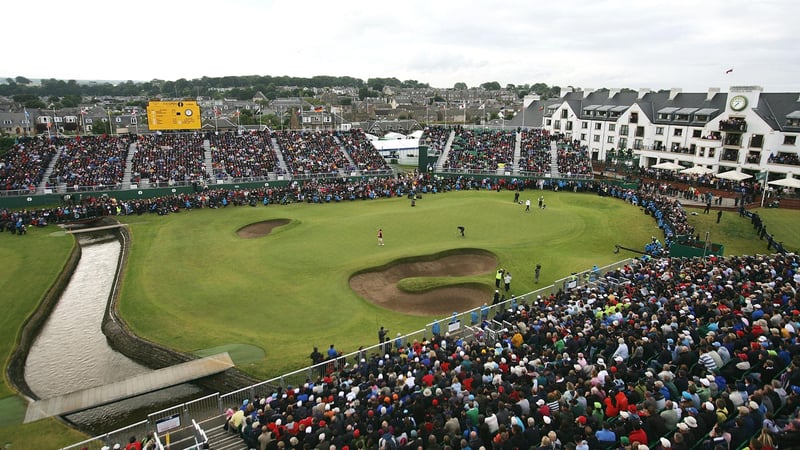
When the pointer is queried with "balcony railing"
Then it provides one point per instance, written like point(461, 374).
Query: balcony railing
point(733, 125)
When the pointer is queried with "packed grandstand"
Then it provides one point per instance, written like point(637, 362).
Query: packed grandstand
point(81, 163)
point(660, 353)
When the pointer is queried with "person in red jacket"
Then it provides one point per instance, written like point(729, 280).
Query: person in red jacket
point(134, 444)
point(622, 401)
point(612, 409)
point(638, 434)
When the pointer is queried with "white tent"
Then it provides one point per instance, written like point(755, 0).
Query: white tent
point(733, 175)
point(787, 182)
point(667, 166)
point(696, 170)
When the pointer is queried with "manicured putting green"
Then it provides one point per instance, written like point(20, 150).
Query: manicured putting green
point(241, 354)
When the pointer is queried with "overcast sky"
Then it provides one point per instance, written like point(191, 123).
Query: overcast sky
point(598, 43)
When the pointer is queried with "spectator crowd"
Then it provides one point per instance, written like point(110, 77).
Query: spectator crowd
point(658, 354)
point(535, 154)
point(23, 166)
point(91, 161)
point(481, 149)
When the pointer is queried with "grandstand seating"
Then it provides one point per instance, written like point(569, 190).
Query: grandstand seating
point(573, 159)
point(91, 161)
point(23, 166)
point(166, 158)
point(535, 151)
point(243, 156)
point(362, 152)
point(311, 152)
point(481, 150)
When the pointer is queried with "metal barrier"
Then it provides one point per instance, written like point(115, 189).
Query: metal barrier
point(591, 276)
point(203, 408)
point(120, 436)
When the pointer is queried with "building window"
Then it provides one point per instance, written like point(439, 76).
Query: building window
point(678, 132)
point(598, 126)
point(610, 139)
point(118, 119)
point(87, 120)
point(134, 121)
point(585, 125)
point(623, 143)
point(659, 131)
point(623, 130)
point(757, 141)
point(557, 125)
point(548, 122)
point(596, 138)
point(583, 136)
point(697, 133)
point(637, 144)
point(789, 140)
point(564, 113)
point(612, 127)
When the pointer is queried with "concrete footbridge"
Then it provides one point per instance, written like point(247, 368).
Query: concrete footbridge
point(131, 387)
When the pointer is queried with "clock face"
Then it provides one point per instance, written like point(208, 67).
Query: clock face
point(738, 103)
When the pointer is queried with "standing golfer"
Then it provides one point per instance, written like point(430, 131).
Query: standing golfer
point(536, 272)
point(380, 236)
point(528, 205)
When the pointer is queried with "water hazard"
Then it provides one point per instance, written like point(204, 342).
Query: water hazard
point(71, 352)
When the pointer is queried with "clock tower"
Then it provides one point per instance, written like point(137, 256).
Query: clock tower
point(742, 98)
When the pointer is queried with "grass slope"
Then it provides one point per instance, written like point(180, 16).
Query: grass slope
point(31, 264)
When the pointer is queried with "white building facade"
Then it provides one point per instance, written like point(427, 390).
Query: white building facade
point(744, 129)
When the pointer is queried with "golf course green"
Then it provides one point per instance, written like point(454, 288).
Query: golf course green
point(194, 283)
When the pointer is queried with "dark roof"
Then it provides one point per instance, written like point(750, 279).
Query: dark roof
point(534, 114)
point(775, 108)
point(654, 102)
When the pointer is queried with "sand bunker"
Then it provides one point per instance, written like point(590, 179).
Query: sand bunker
point(380, 286)
point(258, 229)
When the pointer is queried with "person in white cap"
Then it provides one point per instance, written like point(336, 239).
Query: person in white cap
point(622, 350)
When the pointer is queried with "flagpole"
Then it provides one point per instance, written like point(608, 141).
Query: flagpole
point(27, 121)
point(763, 189)
point(54, 117)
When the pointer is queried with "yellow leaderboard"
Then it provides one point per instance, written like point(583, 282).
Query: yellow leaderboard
point(173, 115)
